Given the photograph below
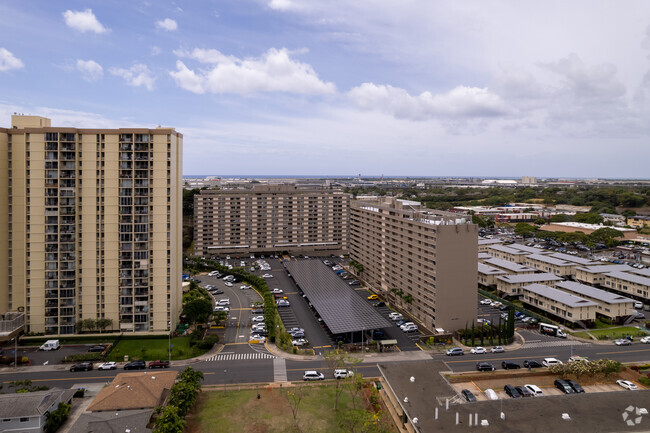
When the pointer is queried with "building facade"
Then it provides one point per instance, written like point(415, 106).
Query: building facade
point(422, 260)
point(93, 228)
point(270, 218)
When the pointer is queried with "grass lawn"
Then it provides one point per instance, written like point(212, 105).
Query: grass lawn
point(155, 348)
point(613, 333)
point(242, 411)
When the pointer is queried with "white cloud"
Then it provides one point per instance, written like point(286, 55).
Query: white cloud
point(90, 70)
point(9, 61)
point(155, 50)
point(168, 24)
point(460, 102)
point(281, 5)
point(83, 21)
point(137, 75)
point(273, 71)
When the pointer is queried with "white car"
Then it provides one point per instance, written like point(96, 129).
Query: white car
point(534, 389)
point(299, 342)
point(409, 328)
point(277, 291)
point(257, 319)
point(221, 308)
point(224, 301)
point(341, 373)
point(267, 276)
point(228, 284)
point(258, 338)
point(478, 350)
point(107, 366)
point(485, 302)
point(548, 362)
point(395, 316)
point(646, 340)
point(627, 384)
point(244, 287)
point(495, 304)
point(497, 349)
point(623, 342)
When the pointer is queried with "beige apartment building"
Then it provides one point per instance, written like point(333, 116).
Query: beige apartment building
point(559, 304)
point(628, 284)
point(612, 306)
point(270, 218)
point(421, 260)
point(92, 226)
point(511, 285)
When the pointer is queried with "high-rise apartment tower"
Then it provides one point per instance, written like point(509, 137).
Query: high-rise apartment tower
point(423, 260)
point(91, 227)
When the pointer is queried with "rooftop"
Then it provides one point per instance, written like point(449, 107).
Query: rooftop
point(574, 259)
point(135, 391)
point(550, 260)
point(530, 278)
point(559, 296)
point(31, 403)
point(637, 279)
point(339, 306)
point(510, 266)
point(489, 270)
point(507, 249)
point(592, 292)
point(134, 421)
point(588, 226)
point(601, 269)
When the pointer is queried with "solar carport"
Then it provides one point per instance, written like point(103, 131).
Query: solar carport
point(338, 305)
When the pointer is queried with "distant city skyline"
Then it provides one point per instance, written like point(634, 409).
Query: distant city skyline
point(269, 87)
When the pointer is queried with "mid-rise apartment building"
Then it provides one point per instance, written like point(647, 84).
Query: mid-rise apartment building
point(270, 218)
point(423, 260)
point(91, 227)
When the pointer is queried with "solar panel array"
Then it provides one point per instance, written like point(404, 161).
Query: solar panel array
point(339, 306)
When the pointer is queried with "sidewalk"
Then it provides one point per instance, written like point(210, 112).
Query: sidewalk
point(372, 357)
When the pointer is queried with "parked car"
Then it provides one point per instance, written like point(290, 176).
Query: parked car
point(277, 291)
point(623, 342)
point(342, 373)
point(497, 349)
point(468, 395)
point(283, 303)
point(485, 301)
point(107, 366)
point(373, 297)
point(228, 284)
point(82, 366)
point(507, 365)
point(354, 282)
point(534, 389)
point(563, 386)
point(135, 365)
point(267, 276)
point(547, 362)
point(478, 350)
point(97, 349)
point(455, 351)
point(627, 384)
point(512, 391)
point(395, 316)
point(379, 304)
point(299, 342)
point(409, 328)
point(257, 319)
point(525, 392)
point(490, 394)
point(257, 338)
point(313, 375)
point(531, 363)
point(576, 386)
point(159, 364)
point(257, 310)
point(484, 366)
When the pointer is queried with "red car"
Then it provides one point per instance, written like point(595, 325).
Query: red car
point(159, 364)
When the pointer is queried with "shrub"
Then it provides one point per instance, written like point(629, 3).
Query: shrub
point(645, 380)
point(83, 357)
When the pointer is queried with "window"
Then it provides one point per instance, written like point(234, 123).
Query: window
point(24, 420)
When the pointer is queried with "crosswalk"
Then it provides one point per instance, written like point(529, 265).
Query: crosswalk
point(279, 370)
point(240, 356)
point(540, 343)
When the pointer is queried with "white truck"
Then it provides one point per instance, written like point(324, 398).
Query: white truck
point(50, 345)
point(552, 330)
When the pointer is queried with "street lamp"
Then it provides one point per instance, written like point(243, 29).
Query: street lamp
point(169, 326)
point(224, 381)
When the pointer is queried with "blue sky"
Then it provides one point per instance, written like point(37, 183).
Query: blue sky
point(394, 87)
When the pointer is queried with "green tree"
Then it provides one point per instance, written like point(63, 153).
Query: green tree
point(169, 421)
point(198, 310)
point(103, 323)
point(56, 418)
point(606, 235)
point(337, 359)
point(525, 230)
point(511, 322)
point(588, 218)
point(628, 213)
point(560, 218)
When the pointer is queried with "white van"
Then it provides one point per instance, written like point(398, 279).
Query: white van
point(50, 345)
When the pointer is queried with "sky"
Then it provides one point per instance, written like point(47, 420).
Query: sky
point(329, 87)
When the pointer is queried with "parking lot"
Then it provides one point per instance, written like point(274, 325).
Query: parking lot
point(299, 313)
